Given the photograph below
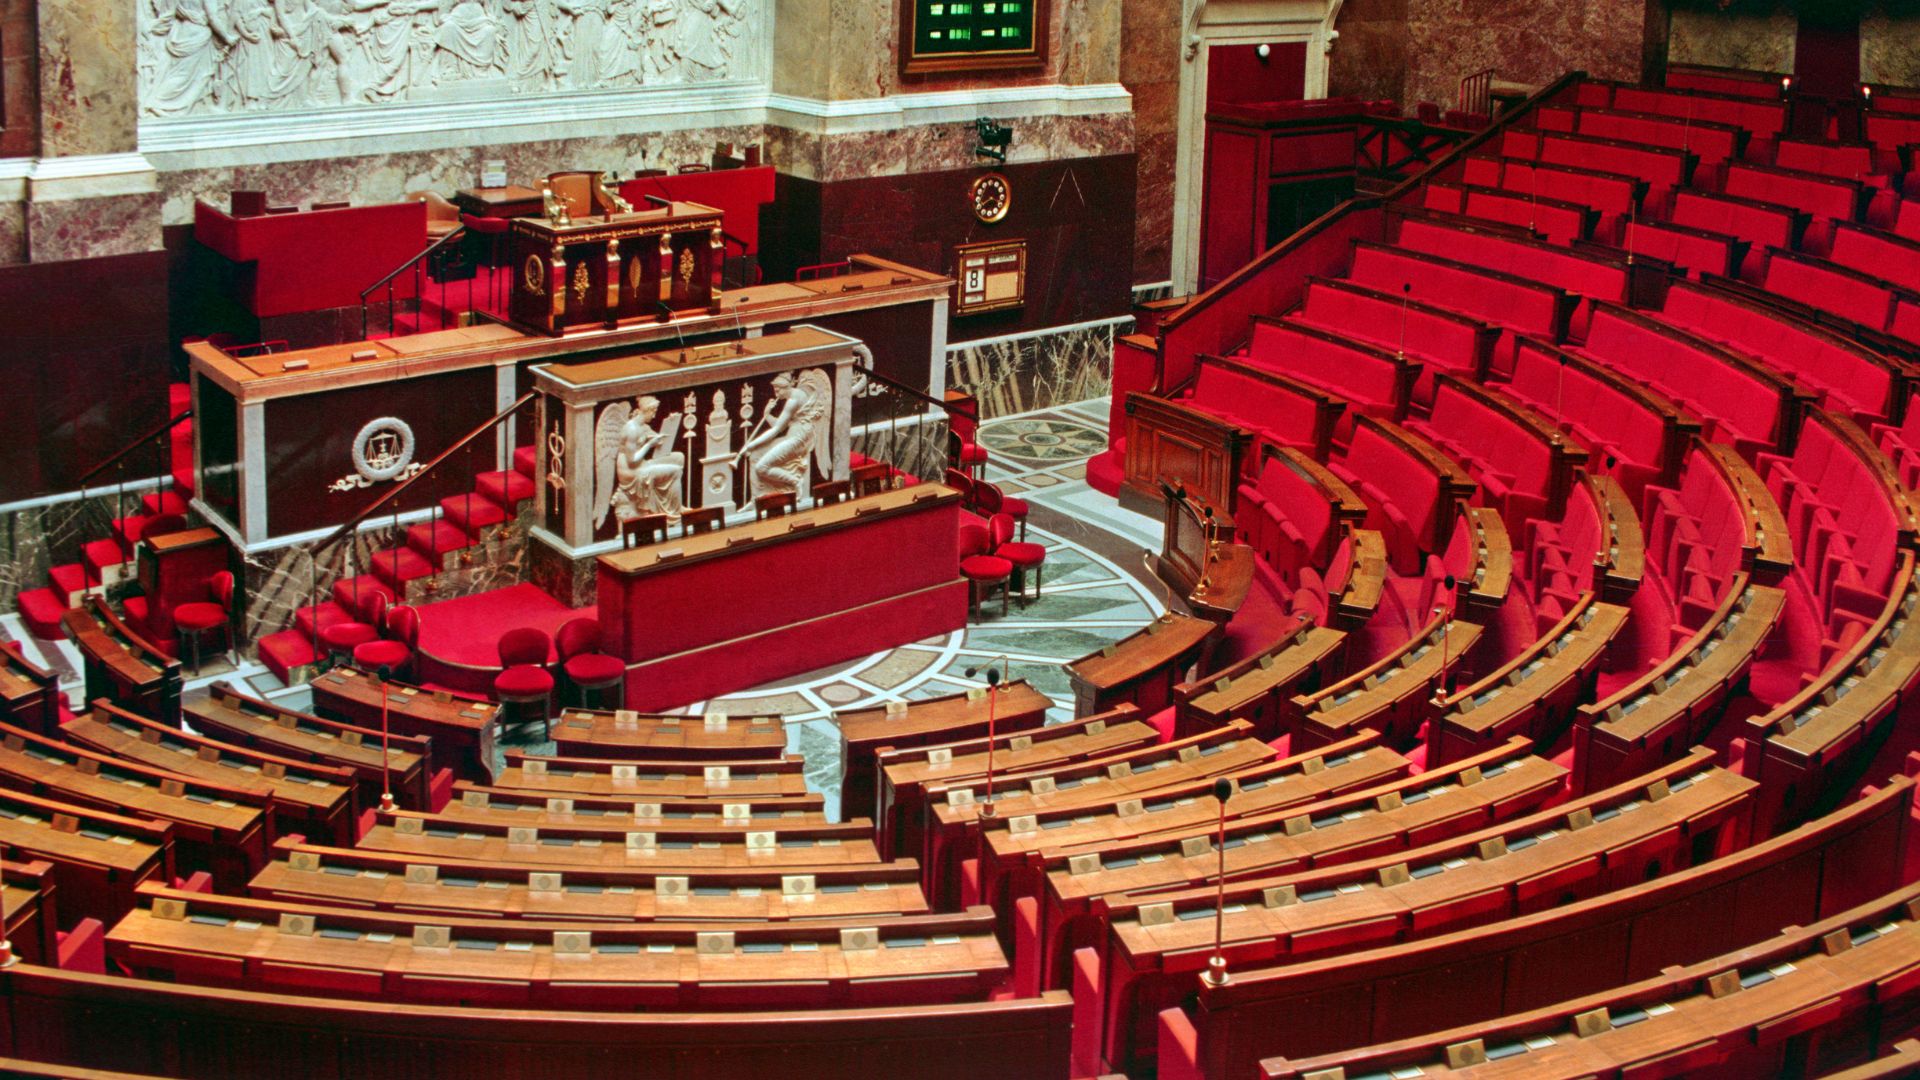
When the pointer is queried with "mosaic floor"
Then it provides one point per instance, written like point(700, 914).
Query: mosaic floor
point(1095, 591)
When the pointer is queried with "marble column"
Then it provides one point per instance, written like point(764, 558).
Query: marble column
point(89, 193)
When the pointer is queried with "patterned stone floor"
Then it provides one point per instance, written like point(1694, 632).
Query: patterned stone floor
point(1095, 590)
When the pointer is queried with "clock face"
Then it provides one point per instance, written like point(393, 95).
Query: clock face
point(992, 196)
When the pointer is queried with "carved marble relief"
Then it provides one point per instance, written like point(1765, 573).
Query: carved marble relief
point(227, 56)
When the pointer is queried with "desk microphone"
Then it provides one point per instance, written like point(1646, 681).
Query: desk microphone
point(1216, 973)
point(993, 710)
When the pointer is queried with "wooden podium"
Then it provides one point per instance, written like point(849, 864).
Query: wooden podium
point(608, 267)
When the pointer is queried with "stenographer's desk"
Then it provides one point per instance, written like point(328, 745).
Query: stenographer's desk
point(703, 615)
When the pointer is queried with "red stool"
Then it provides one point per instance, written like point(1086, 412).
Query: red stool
point(589, 671)
point(981, 569)
point(526, 686)
point(1024, 557)
point(192, 621)
point(393, 654)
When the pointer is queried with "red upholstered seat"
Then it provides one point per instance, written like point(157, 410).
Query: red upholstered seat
point(989, 499)
point(982, 570)
point(526, 682)
point(199, 615)
point(594, 668)
point(194, 619)
point(395, 652)
point(523, 681)
point(374, 655)
point(587, 668)
point(1022, 557)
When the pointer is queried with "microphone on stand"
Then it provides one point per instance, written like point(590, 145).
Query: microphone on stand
point(993, 703)
point(1216, 973)
point(1406, 293)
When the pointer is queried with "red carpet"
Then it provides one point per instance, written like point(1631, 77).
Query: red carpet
point(458, 637)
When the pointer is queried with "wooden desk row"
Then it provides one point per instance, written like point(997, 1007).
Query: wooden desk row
point(33, 910)
point(388, 881)
point(99, 858)
point(1317, 1005)
point(621, 843)
point(1534, 693)
point(648, 781)
point(1396, 815)
point(250, 722)
point(808, 810)
point(1593, 845)
point(256, 944)
point(1014, 707)
point(1259, 688)
point(1805, 740)
point(955, 820)
point(1808, 998)
point(625, 734)
point(461, 731)
point(1141, 668)
point(122, 666)
point(315, 799)
point(233, 1034)
point(1013, 849)
point(1389, 695)
point(223, 829)
point(29, 693)
point(1674, 704)
point(908, 775)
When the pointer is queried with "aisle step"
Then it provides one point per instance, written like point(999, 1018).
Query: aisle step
point(434, 539)
point(505, 488)
point(397, 566)
point(164, 501)
point(40, 609)
point(284, 651)
point(70, 581)
point(471, 513)
point(526, 461)
point(310, 619)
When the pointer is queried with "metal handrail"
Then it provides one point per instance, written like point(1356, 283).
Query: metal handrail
point(900, 387)
point(134, 445)
point(410, 263)
point(394, 492)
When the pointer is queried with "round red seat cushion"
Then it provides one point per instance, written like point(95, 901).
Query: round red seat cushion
point(346, 636)
point(1022, 555)
point(522, 681)
point(381, 654)
point(591, 668)
point(985, 567)
point(973, 454)
point(1017, 507)
point(199, 616)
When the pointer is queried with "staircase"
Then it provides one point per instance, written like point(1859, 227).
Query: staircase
point(406, 571)
point(109, 560)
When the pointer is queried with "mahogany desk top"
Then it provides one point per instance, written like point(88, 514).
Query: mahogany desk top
point(625, 734)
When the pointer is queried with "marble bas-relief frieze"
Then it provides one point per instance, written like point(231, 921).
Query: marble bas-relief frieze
point(230, 56)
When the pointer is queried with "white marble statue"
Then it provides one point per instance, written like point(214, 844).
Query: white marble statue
point(795, 432)
point(636, 470)
point(209, 56)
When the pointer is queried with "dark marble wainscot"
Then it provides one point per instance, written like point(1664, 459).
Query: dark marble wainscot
point(915, 447)
point(34, 540)
point(574, 582)
point(1043, 371)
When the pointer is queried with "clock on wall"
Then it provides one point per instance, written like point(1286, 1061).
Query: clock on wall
point(991, 195)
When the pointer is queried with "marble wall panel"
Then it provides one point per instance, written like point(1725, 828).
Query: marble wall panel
point(13, 233)
point(19, 79)
point(1039, 372)
point(1369, 60)
point(1890, 46)
point(387, 177)
point(1150, 41)
point(574, 582)
point(35, 540)
point(87, 78)
point(915, 447)
point(1757, 35)
point(91, 228)
point(1528, 41)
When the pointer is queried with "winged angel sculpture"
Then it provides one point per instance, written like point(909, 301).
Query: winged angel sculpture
point(636, 470)
point(799, 432)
